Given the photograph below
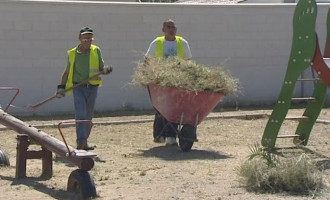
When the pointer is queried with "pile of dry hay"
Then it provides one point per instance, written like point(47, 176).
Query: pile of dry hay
point(184, 74)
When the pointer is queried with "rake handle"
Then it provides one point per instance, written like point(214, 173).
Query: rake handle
point(66, 90)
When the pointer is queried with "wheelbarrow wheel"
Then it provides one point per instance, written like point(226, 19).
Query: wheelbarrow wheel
point(187, 137)
point(81, 182)
point(4, 160)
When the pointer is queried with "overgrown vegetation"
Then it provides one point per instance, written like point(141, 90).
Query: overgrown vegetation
point(266, 171)
point(185, 74)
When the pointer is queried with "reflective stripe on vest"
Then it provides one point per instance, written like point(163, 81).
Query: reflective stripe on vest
point(159, 50)
point(93, 67)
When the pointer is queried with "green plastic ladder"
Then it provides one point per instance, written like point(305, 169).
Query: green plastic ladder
point(304, 52)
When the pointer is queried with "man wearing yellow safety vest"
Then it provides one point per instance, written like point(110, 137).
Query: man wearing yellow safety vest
point(168, 45)
point(85, 64)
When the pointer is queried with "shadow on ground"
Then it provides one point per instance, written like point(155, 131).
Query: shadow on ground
point(33, 183)
point(174, 153)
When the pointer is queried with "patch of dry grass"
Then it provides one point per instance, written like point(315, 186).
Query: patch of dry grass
point(267, 172)
point(184, 74)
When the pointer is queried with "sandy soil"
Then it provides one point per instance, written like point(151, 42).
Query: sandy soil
point(131, 166)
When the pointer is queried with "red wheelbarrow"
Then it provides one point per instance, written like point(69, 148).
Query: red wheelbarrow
point(184, 107)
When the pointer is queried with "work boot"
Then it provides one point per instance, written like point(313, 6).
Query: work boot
point(170, 141)
point(86, 147)
point(160, 139)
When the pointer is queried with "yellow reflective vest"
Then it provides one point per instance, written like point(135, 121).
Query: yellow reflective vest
point(159, 50)
point(93, 67)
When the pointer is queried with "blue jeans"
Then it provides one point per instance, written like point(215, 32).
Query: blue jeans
point(84, 102)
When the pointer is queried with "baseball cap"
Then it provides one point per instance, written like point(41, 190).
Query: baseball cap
point(86, 30)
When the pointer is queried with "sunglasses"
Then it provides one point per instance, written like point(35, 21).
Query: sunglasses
point(87, 40)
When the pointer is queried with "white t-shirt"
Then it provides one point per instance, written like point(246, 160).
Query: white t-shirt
point(169, 49)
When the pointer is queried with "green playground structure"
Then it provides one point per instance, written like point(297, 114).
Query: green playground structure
point(305, 53)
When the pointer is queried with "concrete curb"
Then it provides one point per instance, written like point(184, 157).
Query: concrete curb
point(211, 116)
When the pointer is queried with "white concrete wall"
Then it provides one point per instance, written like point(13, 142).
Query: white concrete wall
point(252, 41)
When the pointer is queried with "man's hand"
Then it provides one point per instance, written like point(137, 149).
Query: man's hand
point(60, 91)
point(107, 69)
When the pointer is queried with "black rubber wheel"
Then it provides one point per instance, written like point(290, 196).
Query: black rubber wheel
point(187, 137)
point(81, 182)
point(4, 159)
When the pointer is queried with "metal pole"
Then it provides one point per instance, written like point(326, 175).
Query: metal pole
point(52, 144)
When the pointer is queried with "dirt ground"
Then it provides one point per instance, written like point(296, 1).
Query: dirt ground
point(131, 166)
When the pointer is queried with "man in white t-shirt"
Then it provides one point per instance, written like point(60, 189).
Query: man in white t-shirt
point(168, 45)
